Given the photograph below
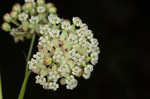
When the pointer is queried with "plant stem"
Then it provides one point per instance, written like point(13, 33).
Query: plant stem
point(27, 72)
point(30, 51)
point(1, 94)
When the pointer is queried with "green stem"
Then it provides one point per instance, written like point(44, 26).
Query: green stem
point(30, 50)
point(1, 95)
point(27, 72)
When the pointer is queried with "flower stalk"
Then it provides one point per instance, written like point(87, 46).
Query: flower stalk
point(27, 72)
point(1, 95)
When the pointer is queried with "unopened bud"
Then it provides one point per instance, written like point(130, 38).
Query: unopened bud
point(40, 2)
point(62, 81)
point(47, 61)
point(52, 10)
point(6, 27)
point(17, 7)
point(49, 5)
point(13, 14)
point(7, 17)
point(27, 6)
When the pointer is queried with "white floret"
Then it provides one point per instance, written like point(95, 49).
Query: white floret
point(34, 20)
point(86, 75)
point(53, 19)
point(40, 80)
point(88, 68)
point(55, 33)
point(77, 21)
point(64, 70)
point(23, 16)
point(41, 9)
point(71, 82)
point(76, 71)
point(53, 76)
point(94, 58)
point(66, 25)
point(45, 29)
point(53, 85)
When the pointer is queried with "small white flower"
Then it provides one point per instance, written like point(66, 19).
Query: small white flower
point(34, 20)
point(94, 58)
point(66, 25)
point(73, 38)
point(76, 71)
point(44, 29)
point(53, 19)
point(71, 82)
point(32, 64)
point(23, 16)
point(94, 61)
point(55, 32)
point(94, 41)
point(96, 49)
point(64, 70)
point(84, 26)
point(40, 80)
point(89, 34)
point(41, 9)
point(53, 76)
point(88, 68)
point(77, 21)
point(86, 75)
point(53, 86)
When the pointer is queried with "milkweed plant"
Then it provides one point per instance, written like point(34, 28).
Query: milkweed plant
point(67, 49)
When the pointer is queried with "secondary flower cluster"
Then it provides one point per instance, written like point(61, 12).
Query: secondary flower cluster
point(24, 20)
point(66, 51)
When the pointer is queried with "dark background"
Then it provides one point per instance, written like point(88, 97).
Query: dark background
point(126, 72)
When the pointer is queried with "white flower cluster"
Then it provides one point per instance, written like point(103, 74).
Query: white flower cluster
point(28, 18)
point(66, 51)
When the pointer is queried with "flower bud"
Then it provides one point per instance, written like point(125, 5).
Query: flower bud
point(62, 81)
point(40, 2)
point(27, 6)
point(41, 9)
point(49, 5)
point(6, 27)
point(52, 10)
point(47, 61)
point(13, 14)
point(17, 7)
point(7, 17)
point(25, 25)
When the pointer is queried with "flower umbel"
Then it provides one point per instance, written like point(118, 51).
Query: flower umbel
point(65, 53)
point(67, 50)
point(26, 19)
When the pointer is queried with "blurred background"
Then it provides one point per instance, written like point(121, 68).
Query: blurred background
point(125, 74)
